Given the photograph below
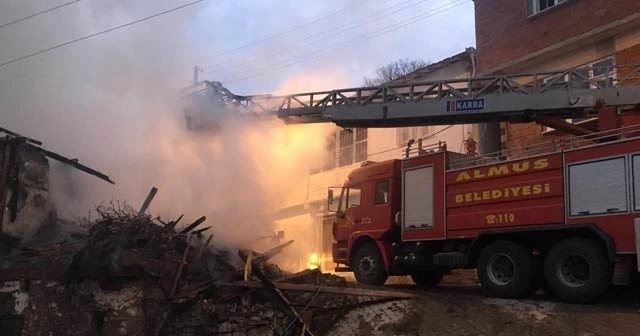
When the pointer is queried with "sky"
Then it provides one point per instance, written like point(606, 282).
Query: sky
point(311, 35)
point(111, 100)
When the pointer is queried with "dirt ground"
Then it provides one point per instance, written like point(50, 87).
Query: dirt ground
point(461, 307)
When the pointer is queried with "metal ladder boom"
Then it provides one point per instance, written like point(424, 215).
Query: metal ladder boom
point(515, 98)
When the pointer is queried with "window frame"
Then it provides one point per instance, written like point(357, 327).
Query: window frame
point(635, 203)
point(625, 175)
point(535, 6)
point(386, 190)
point(348, 201)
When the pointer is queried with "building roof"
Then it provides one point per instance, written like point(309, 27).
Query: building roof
point(420, 74)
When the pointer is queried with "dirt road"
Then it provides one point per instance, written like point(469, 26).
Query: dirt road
point(464, 309)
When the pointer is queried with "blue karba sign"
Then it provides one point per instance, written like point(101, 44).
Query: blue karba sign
point(465, 105)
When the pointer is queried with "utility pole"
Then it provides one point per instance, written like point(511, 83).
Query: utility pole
point(196, 70)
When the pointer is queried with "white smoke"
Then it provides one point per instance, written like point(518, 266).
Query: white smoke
point(114, 106)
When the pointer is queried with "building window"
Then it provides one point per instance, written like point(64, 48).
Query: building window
point(346, 147)
point(330, 154)
point(382, 192)
point(605, 195)
point(361, 144)
point(541, 5)
point(404, 134)
point(343, 148)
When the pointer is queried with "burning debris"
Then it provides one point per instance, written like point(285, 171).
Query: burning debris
point(133, 274)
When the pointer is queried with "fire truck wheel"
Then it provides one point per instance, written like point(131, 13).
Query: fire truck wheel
point(577, 270)
point(427, 279)
point(506, 269)
point(368, 266)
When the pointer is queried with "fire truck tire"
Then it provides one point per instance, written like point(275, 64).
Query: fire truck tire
point(368, 266)
point(506, 269)
point(578, 270)
point(427, 279)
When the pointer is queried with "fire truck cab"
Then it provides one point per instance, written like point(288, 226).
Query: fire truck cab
point(562, 220)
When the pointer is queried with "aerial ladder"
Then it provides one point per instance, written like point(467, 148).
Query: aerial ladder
point(548, 98)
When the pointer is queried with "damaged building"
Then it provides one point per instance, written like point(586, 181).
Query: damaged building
point(131, 274)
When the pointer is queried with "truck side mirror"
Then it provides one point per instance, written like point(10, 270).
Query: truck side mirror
point(330, 197)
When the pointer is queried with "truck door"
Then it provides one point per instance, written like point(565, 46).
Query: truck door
point(423, 216)
point(350, 212)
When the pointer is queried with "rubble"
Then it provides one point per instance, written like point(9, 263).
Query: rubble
point(132, 274)
point(128, 273)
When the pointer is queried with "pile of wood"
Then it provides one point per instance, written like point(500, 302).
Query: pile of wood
point(189, 287)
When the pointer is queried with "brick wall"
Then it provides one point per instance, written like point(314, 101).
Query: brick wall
point(630, 56)
point(505, 32)
point(522, 135)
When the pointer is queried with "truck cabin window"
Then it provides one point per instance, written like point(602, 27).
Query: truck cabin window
point(382, 192)
point(353, 199)
point(349, 198)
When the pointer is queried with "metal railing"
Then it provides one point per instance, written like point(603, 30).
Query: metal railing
point(547, 147)
point(526, 84)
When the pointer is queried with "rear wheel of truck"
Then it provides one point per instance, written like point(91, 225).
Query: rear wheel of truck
point(506, 269)
point(577, 270)
point(368, 266)
point(427, 278)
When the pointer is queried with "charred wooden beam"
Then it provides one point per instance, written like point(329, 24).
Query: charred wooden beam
point(194, 225)
point(72, 162)
point(300, 276)
point(16, 135)
point(172, 224)
point(273, 292)
point(324, 289)
point(263, 257)
point(147, 201)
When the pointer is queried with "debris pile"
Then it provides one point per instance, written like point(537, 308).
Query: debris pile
point(136, 275)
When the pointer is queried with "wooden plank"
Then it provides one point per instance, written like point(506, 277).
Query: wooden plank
point(147, 201)
point(324, 289)
point(299, 275)
point(262, 257)
point(194, 225)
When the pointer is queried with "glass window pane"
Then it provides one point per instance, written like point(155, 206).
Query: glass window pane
point(382, 192)
point(636, 182)
point(603, 67)
point(330, 153)
point(354, 196)
point(346, 156)
point(361, 151)
point(346, 138)
point(605, 194)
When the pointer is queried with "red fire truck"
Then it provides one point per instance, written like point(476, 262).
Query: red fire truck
point(558, 215)
point(565, 219)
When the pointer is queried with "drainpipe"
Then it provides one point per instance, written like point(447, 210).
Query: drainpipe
point(489, 141)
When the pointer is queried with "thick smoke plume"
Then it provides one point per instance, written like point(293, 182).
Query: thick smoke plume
point(112, 103)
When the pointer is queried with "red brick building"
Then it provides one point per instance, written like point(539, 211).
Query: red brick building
point(526, 36)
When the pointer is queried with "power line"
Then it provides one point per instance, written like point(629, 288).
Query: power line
point(337, 29)
point(38, 13)
point(360, 39)
point(100, 33)
point(268, 38)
